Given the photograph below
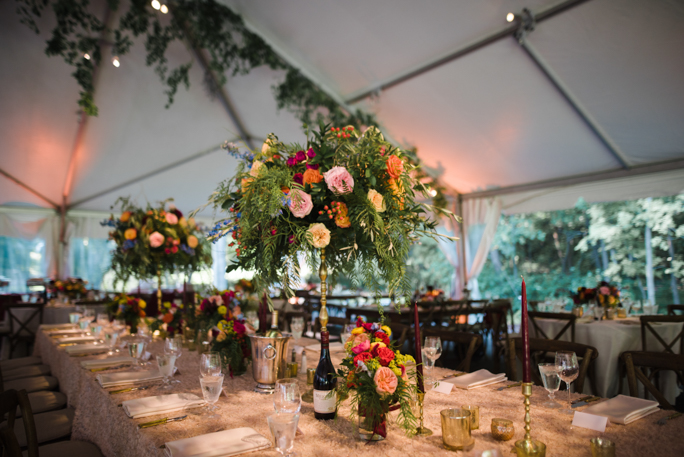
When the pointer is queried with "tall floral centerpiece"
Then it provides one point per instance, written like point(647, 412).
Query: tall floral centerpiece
point(376, 378)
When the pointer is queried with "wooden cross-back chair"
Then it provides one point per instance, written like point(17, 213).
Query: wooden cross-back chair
point(672, 310)
point(400, 334)
point(539, 332)
point(540, 347)
point(655, 362)
point(332, 321)
point(497, 324)
point(646, 324)
point(20, 330)
point(465, 345)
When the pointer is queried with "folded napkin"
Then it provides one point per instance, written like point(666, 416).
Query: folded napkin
point(334, 347)
point(65, 331)
point(75, 339)
point(623, 409)
point(104, 363)
point(57, 326)
point(125, 378)
point(160, 404)
point(85, 348)
point(219, 444)
point(479, 378)
point(585, 320)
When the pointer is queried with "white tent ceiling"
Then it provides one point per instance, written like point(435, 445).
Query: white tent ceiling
point(488, 119)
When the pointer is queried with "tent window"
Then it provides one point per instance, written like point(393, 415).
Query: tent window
point(20, 260)
point(90, 259)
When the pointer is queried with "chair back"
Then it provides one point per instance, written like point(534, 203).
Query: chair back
point(672, 309)
point(539, 333)
point(9, 401)
point(337, 321)
point(22, 317)
point(656, 362)
point(539, 346)
point(400, 333)
point(469, 341)
point(291, 314)
point(10, 445)
point(646, 324)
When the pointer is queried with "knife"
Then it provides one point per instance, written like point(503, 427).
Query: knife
point(86, 354)
point(93, 370)
point(128, 389)
point(519, 383)
point(163, 421)
point(664, 420)
point(586, 402)
point(582, 399)
point(453, 376)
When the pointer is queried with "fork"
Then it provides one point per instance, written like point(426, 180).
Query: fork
point(664, 420)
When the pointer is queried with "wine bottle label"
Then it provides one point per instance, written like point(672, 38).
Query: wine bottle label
point(325, 401)
point(325, 340)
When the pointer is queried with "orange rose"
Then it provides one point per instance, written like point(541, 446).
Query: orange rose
point(377, 200)
point(395, 187)
point(286, 190)
point(168, 317)
point(244, 184)
point(395, 166)
point(312, 176)
point(125, 216)
point(192, 241)
point(130, 234)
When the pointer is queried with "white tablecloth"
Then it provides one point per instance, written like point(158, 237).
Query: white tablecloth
point(611, 338)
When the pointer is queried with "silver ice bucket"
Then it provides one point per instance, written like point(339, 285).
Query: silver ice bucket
point(269, 361)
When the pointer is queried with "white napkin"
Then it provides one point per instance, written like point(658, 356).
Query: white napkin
point(125, 378)
point(57, 326)
point(623, 409)
point(161, 404)
point(585, 320)
point(85, 348)
point(65, 331)
point(104, 363)
point(75, 339)
point(225, 443)
point(334, 347)
point(479, 378)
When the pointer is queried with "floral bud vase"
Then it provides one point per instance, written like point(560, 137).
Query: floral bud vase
point(370, 431)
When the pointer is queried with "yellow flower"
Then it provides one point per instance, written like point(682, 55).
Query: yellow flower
point(387, 330)
point(378, 345)
point(222, 310)
point(142, 304)
point(357, 330)
point(611, 300)
point(167, 304)
point(222, 324)
point(397, 371)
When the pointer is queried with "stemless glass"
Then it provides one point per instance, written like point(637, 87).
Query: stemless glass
point(283, 428)
point(110, 337)
point(297, 328)
point(569, 370)
point(550, 374)
point(432, 349)
point(136, 349)
point(210, 364)
point(83, 323)
point(287, 398)
point(211, 389)
point(166, 364)
point(74, 318)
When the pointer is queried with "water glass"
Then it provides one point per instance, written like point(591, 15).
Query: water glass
point(166, 364)
point(456, 429)
point(297, 328)
point(287, 398)
point(210, 364)
point(136, 349)
point(89, 313)
point(347, 332)
point(569, 370)
point(432, 349)
point(550, 374)
point(598, 312)
point(110, 337)
point(74, 318)
point(211, 390)
point(283, 428)
point(103, 319)
point(83, 323)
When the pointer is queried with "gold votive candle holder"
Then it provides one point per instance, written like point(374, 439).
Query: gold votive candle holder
point(621, 313)
point(530, 448)
point(292, 369)
point(601, 447)
point(456, 429)
point(502, 429)
point(474, 416)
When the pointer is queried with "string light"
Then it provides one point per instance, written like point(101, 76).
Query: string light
point(155, 4)
point(115, 61)
point(510, 17)
point(432, 192)
point(86, 56)
point(164, 9)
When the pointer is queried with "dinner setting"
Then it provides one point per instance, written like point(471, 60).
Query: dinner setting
point(315, 228)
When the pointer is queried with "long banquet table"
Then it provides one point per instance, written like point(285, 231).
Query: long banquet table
point(100, 420)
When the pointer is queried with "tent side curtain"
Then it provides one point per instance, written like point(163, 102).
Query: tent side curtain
point(481, 219)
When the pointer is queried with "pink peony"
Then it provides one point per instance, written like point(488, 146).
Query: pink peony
point(339, 180)
point(385, 381)
point(156, 239)
point(363, 347)
point(300, 156)
point(360, 339)
point(604, 290)
point(300, 203)
point(171, 218)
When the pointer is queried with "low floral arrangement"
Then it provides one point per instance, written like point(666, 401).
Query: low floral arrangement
point(155, 240)
point(169, 320)
point(432, 295)
point(350, 193)
point(72, 287)
point(583, 296)
point(131, 309)
point(376, 378)
point(220, 315)
point(603, 295)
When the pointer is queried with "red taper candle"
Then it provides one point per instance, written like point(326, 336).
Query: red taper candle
point(419, 353)
point(524, 331)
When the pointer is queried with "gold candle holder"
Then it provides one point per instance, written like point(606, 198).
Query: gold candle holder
point(323, 274)
point(527, 447)
point(421, 430)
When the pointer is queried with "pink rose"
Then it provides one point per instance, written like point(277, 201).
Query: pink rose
point(363, 347)
point(156, 239)
point(339, 180)
point(385, 381)
point(300, 203)
point(605, 290)
point(360, 339)
point(171, 218)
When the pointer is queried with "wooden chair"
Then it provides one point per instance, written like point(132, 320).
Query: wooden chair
point(672, 309)
point(20, 330)
point(332, 321)
point(461, 340)
point(539, 333)
point(9, 402)
point(655, 362)
point(400, 334)
point(539, 347)
point(646, 322)
point(497, 325)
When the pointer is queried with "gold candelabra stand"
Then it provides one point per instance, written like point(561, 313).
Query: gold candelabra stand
point(422, 430)
point(323, 274)
point(527, 447)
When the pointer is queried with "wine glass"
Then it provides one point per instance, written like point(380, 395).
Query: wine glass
point(347, 332)
point(284, 428)
point(252, 319)
point(136, 349)
point(297, 327)
point(210, 364)
point(110, 337)
point(103, 319)
point(89, 313)
point(550, 374)
point(166, 364)
point(432, 349)
point(211, 389)
point(174, 346)
point(569, 370)
point(287, 398)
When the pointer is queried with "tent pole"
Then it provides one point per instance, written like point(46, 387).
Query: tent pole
point(28, 188)
point(464, 265)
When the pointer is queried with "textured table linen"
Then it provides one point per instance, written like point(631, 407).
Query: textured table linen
point(99, 420)
point(611, 338)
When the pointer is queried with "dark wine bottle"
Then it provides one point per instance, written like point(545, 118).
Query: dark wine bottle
point(325, 383)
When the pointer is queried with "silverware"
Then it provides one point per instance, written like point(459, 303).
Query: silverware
point(586, 402)
point(456, 375)
point(582, 399)
point(86, 354)
point(519, 383)
point(664, 420)
point(94, 370)
point(165, 420)
point(128, 389)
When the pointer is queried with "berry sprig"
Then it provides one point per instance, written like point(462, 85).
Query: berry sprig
point(344, 131)
point(332, 210)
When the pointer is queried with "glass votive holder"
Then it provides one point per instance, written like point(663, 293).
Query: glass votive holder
point(621, 313)
point(601, 447)
point(456, 429)
point(474, 416)
point(502, 429)
point(610, 313)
